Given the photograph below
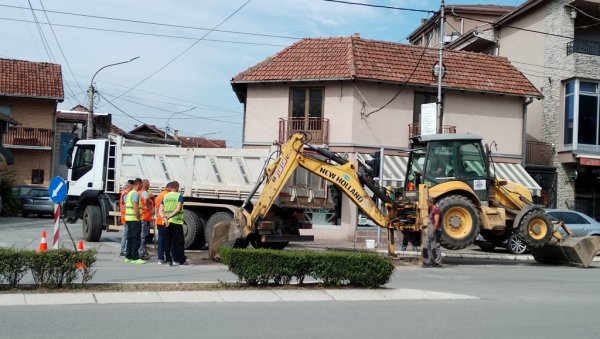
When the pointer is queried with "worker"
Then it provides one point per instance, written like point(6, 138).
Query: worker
point(160, 224)
point(146, 201)
point(432, 253)
point(124, 192)
point(172, 211)
point(132, 217)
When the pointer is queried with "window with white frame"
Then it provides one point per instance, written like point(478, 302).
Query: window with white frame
point(582, 114)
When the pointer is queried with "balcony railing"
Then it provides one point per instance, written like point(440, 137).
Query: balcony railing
point(415, 130)
point(539, 153)
point(28, 137)
point(583, 47)
point(317, 129)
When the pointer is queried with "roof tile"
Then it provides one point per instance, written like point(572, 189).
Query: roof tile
point(31, 79)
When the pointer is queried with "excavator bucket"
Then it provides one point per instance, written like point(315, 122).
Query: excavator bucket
point(224, 233)
point(573, 251)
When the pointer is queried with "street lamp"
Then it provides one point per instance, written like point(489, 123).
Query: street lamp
point(172, 115)
point(91, 92)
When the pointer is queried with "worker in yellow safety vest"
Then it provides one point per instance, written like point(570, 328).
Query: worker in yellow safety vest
point(171, 209)
point(132, 218)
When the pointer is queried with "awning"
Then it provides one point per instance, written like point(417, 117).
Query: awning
point(516, 173)
point(394, 169)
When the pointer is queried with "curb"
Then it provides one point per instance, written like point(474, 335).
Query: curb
point(226, 296)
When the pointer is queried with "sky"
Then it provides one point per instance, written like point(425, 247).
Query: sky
point(182, 74)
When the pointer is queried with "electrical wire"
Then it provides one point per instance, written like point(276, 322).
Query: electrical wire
point(513, 27)
point(157, 23)
point(382, 6)
point(149, 34)
point(120, 110)
point(185, 50)
point(61, 51)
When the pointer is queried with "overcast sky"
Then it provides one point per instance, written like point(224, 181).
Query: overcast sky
point(198, 81)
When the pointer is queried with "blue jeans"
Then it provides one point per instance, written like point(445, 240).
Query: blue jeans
point(144, 233)
point(124, 241)
point(161, 242)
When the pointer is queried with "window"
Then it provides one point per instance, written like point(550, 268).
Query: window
point(582, 115)
point(306, 109)
point(37, 176)
point(83, 162)
point(441, 163)
point(473, 165)
point(573, 218)
point(6, 110)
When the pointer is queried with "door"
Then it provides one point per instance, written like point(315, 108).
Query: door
point(306, 112)
point(86, 169)
point(578, 224)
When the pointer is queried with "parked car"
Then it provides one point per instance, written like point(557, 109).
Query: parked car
point(21, 191)
point(579, 223)
point(513, 244)
point(36, 201)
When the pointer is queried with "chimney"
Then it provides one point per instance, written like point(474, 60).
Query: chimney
point(356, 35)
point(176, 132)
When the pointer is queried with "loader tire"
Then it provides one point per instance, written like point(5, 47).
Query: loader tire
point(535, 229)
point(193, 229)
point(92, 223)
point(223, 217)
point(460, 222)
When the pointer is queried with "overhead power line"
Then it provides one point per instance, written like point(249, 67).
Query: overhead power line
point(157, 23)
point(382, 6)
point(185, 50)
point(149, 34)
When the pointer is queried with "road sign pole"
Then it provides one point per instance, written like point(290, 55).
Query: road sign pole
point(56, 234)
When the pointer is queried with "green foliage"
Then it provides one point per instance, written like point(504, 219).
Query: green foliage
point(54, 268)
point(9, 201)
point(332, 268)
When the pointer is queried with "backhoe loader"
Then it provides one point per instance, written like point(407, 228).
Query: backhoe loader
point(453, 168)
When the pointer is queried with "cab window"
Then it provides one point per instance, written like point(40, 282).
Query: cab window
point(441, 163)
point(83, 162)
point(472, 160)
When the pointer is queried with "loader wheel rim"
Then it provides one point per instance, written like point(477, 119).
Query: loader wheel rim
point(537, 229)
point(458, 222)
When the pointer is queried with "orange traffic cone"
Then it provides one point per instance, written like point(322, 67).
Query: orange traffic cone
point(43, 244)
point(80, 246)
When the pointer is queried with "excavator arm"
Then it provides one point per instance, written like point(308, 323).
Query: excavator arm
point(294, 154)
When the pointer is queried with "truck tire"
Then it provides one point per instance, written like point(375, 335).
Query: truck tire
point(460, 222)
point(92, 223)
point(221, 217)
point(535, 229)
point(193, 229)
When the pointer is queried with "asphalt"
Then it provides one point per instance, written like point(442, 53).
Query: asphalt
point(110, 269)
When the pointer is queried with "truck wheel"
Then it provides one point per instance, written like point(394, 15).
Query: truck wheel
point(92, 223)
point(223, 217)
point(460, 222)
point(535, 229)
point(193, 229)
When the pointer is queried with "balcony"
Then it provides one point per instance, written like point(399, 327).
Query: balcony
point(317, 129)
point(539, 153)
point(28, 137)
point(415, 130)
point(583, 47)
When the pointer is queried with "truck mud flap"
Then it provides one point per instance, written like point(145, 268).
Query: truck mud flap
point(572, 251)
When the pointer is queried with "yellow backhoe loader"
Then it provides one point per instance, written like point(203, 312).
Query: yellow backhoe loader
point(453, 168)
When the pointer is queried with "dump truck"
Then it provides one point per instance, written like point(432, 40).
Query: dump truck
point(214, 183)
point(455, 169)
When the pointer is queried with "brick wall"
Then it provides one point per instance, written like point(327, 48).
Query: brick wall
point(32, 112)
point(28, 159)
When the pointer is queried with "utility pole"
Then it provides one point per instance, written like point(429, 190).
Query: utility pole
point(91, 92)
point(441, 70)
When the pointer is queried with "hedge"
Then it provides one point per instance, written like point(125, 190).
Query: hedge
point(53, 268)
point(331, 268)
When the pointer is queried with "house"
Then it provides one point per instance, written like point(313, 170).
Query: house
point(355, 96)
point(556, 44)
point(29, 93)
point(191, 142)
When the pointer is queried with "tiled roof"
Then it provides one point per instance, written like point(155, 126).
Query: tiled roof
point(22, 78)
point(201, 142)
point(348, 58)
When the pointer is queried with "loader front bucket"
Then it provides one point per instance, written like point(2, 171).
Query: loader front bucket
point(573, 251)
point(224, 233)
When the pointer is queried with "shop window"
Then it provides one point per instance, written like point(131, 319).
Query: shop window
point(582, 115)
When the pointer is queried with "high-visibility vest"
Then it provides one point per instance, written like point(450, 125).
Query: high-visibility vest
point(147, 205)
point(129, 211)
point(157, 201)
point(122, 207)
point(170, 202)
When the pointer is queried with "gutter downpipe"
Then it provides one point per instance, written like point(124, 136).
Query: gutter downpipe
point(528, 100)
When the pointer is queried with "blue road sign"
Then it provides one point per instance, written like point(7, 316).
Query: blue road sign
point(57, 190)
